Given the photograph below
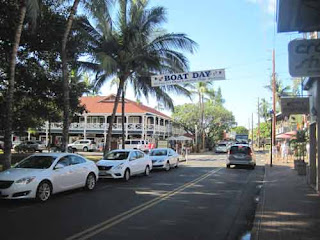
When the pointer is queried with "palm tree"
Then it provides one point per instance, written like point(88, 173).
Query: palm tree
point(201, 89)
point(280, 89)
point(264, 108)
point(132, 49)
point(28, 8)
point(95, 7)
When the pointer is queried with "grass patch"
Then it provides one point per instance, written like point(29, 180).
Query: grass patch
point(94, 158)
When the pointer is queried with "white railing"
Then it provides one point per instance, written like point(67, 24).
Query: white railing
point(115, 127)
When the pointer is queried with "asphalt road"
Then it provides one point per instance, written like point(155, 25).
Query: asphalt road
point(199, 200)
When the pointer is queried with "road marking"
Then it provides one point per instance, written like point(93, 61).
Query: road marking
point(94, 230)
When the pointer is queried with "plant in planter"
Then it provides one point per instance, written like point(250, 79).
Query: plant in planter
point(300, 164)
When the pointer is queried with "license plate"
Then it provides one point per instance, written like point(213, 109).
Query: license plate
point(102, 173)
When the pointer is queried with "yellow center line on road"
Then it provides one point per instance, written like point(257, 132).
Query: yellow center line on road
point(94, 230)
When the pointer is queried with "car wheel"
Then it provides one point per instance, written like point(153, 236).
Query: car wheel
point(44, 191)
point(167, 166)
point(85, 149)
point(177, 164)
point(147, 171)
point(90, 182)
point(228, 165)
point(40, 151)
point(126, 175)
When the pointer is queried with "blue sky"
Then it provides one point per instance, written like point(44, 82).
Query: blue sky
point(237, 35)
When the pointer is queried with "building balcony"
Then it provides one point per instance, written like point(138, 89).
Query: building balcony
point(117, 127)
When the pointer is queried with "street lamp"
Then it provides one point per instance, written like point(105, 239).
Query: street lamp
point(271, 140)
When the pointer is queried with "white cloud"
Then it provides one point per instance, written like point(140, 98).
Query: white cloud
point(269, 6)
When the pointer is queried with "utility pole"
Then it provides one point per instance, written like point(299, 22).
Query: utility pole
point(258, 123)
point(273, 137)
point(252, 130)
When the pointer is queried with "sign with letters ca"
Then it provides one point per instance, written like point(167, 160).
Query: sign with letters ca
point(304, 58)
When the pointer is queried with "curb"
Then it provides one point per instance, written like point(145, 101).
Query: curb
point(259, 210)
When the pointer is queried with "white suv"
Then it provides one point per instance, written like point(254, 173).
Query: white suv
point(83, 145)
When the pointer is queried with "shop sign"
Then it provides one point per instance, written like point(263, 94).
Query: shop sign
point(304, 58)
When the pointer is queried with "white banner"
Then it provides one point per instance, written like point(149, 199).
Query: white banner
point(176, 78)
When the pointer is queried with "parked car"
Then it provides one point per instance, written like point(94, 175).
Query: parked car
point(164, 158)
point(136, 144)
point(41, 175)
point(124, 164)
point(241, 154)
point(221, 148)
point(30, 146)
point(83, 145)
point(1, 145)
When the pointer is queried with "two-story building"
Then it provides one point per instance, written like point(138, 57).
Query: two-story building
point(140, 122)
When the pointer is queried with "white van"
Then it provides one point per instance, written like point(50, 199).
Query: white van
point(136, 144)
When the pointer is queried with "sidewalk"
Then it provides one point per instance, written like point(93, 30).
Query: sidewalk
point(289, 209)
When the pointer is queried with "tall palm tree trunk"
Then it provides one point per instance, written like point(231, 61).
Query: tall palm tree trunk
point(202, 121)
point(9, 97)
point(65, 76)
point(123, 111)
point(115, 106)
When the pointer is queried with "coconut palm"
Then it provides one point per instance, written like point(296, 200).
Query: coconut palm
point(94, 7)
point(132, 48)
point(202, 90)
point(29, 8)
point(280, 89)
point(264, 109)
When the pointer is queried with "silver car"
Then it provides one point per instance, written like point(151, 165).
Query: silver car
point(221, 148)
point(241, 154)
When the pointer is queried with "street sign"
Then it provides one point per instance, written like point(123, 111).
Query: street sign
point(304, 58)
point(298, 105)
point(189, 77)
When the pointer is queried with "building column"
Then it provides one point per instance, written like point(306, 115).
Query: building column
point(312, 154)
point(85, 127)
point(143, 126)
point(105, 130)
point(126, 126)
point(47, 133)
point(154, 125)
point(159, 125)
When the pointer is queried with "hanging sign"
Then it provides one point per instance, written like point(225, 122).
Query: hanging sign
point(189, 77)
point(297, 105)
point(304, 58)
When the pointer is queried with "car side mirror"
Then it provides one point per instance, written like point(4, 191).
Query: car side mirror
point(132, 158)
point(58, 166)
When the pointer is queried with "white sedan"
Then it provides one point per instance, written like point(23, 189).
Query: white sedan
point(41, 175)
point(124, 164)
point(164, 158)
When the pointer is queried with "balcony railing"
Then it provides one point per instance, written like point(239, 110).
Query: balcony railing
point(116, 127)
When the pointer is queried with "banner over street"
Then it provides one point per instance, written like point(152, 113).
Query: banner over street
point(176, 78)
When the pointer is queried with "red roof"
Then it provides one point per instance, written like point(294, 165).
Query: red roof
point(104, 104)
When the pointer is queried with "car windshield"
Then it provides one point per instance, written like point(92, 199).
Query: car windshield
point(36, 162)
point(117, 156)
point(159, 152)
point(240, 150)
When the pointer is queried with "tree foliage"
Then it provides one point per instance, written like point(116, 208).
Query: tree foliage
point(38, 87)
point(240, 130)
point(217, 119)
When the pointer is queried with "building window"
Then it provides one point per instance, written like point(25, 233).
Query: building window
point(134, 120)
